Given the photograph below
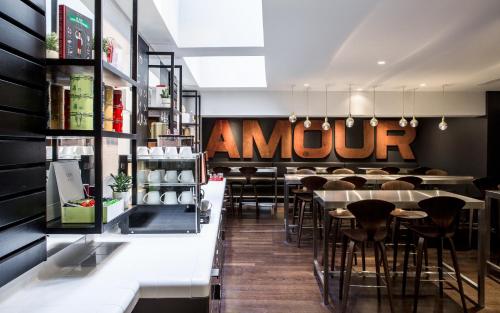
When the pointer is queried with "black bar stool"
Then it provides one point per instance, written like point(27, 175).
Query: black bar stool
point(391, 169)
point(373, 217)
point(331, 169)
point(298, 191)
point(444, 215)
point(248, 172)
point(358, 181)
point(414, 180)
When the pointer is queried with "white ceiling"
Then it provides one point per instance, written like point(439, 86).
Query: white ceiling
point(456, 42)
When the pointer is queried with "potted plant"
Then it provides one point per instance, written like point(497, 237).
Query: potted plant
point(52, 46)
point(121, 186)
point(165, 100)
point(107, 48)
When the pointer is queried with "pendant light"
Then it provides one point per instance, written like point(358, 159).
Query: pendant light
point(403, 122)
point(443, 125)
point(349, 121)
point(307, 122)
point(414, 122)
point(374, 121)
point(292, 118)
point(326, 124)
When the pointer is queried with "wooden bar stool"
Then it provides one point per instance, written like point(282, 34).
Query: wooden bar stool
point(444, 214)
point(297, 191)
point(373, 217)
point(310, 168)
point(358, 181)
point(339, 215)
point(377, 172)
point(310, 183)
point(248, 172)
point(224, 170)
point(331, 169)
point(401, 216)
point(343, 171)
point(436, 172)
point(414, 180)
point(420, 170)
point(392, 170)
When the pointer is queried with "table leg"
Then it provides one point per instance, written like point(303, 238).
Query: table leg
point(285, 213)
point(483, 250)
point(326, 272)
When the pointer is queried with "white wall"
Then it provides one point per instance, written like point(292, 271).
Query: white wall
point(388, 104)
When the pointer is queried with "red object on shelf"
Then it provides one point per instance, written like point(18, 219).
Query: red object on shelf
point(216, 178)
point(117, 111)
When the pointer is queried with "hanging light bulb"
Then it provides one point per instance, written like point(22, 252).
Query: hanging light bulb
point(307, 122)
point(292, 118)
point(326, 124)
point(349, 121)
point(414, 122)
point(443, 125)
point(403, 122)
point(373, 121)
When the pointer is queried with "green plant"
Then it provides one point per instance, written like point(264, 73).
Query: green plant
point(106, 43)
point(122, 182)
point(164, 93)
point(51, 42)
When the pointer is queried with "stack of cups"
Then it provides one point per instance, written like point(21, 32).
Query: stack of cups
point(82, 99)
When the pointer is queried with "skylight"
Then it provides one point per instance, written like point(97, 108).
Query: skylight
point(228, 71)
point(214, 23)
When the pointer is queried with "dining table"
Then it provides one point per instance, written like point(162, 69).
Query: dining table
point(326, 200)
point(293, 180)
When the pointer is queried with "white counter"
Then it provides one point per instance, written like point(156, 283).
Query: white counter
point(128, 267)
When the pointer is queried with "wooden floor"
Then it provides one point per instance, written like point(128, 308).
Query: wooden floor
point(263, 274)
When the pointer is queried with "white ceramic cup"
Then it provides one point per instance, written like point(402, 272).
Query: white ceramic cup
point(142, 151)
point(186, 176)
point(156, 151)
point(140, 196)
point(186, 197)
point(171, 152)
point(154, 177)
point(169, 197)
point(205, 205)
point(48, 154)
point(170, 176)
point(88, 150)
point(142, 176)
point(79, 151)
point(152, 197)
point(185, 152)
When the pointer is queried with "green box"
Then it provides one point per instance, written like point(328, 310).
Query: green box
point(86, 215)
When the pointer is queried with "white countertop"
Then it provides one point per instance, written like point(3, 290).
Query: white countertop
point(128, 267)
point(405, 199)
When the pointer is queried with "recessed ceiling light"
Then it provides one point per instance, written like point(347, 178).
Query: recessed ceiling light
point(359, 89)
point(306, 85)
point(381, 62)
point(423, 84)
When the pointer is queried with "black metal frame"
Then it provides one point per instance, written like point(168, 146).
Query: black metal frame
point(97, 134)
point(172, 65)
point(188, 93)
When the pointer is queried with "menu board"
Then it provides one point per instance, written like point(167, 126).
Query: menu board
point(75, 34)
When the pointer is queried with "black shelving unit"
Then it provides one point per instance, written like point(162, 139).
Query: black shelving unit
point(174, 88)
point(59, 70)
point(194, 94)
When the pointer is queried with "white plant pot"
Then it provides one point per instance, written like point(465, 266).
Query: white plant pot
point(165, 102)
point(122, 195)
point(51, 54)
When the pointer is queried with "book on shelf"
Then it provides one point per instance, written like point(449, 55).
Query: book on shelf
point(75, 34)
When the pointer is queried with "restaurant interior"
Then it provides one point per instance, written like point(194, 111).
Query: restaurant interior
point(249, 156)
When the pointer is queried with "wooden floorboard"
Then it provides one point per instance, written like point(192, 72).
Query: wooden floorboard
point(263, 274)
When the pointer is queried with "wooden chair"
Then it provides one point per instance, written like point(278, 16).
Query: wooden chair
point(420, 170)
point(358, 181)
point(436, 172)
point(305, 171)
point(377, 172)
point(224, 170)
point(392, 170)
point(414, 180)
point(248, 172)
point(310, 183)
point(397, 185)
point(297, 191)
point(373, 217)
point(343, 171)
point(312, 168)
point(444, 214)
point(336, 217)
point(331, 169)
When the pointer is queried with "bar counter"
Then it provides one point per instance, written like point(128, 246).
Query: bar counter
point(112, 272)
